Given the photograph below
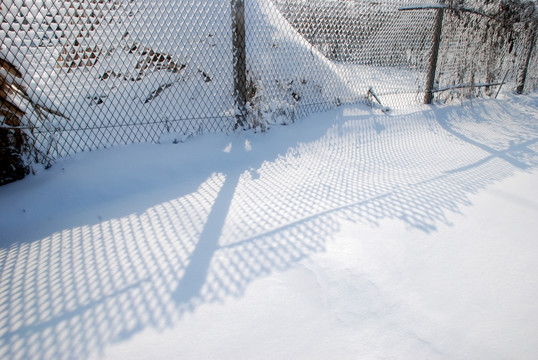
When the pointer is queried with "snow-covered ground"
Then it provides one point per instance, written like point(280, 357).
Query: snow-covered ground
point(351, 234)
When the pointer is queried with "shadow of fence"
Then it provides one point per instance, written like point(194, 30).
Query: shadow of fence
point(76, 291)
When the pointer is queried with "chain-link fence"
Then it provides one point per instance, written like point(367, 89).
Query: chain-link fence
point(79, 75)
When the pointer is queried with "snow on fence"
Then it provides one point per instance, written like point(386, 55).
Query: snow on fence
point(79, 75)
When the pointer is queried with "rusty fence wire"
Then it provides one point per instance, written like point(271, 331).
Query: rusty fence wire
point(79, 75)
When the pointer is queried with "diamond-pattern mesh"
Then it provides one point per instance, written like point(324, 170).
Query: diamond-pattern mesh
point(477, 50)
point(79, 75)
point(121, 71)
point(366, 45)
point(532, 75)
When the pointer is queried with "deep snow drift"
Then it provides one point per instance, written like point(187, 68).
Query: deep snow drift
point(349, 234)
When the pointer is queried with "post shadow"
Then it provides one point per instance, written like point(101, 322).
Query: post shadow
point(196, 272)
point(493, 153)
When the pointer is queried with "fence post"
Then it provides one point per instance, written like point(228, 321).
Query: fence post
point(430, 80)
point(523, 74)
point(239, 59)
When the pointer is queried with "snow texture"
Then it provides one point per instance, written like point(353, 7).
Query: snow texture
point(349, 234)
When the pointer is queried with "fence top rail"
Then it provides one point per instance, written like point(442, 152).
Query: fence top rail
point(445, 7)
point(422, 7)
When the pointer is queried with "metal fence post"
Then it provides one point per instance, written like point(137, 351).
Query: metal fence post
point(239, 59)
point(523, 74)
point(430, 80)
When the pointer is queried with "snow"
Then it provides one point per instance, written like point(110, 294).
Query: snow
point(348, 234)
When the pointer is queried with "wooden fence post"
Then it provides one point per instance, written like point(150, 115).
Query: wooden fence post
point(523, 74)
point(239, 59)
point(430, 80)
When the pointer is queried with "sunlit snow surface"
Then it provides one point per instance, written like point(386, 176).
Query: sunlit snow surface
point(351, 234)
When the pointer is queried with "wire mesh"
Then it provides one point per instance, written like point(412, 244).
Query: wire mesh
point(478, 52)
point(367, 44)
point(531, 82)
point(528, 60)
point(79, 75)
point(117, 72)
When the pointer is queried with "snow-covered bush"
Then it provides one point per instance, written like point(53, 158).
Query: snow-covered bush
point(21, 118)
